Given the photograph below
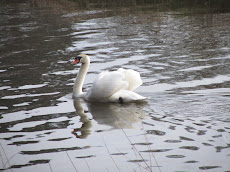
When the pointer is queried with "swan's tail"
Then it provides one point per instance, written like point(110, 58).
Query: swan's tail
point(126, 96)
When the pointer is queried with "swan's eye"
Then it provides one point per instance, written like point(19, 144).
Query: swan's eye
point(78, 58)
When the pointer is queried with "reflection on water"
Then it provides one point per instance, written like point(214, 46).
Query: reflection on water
point(183, 59)
point(85, 129)
point(113, 115)
point(117, 115)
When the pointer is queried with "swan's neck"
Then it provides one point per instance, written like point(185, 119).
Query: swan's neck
point(77, 88)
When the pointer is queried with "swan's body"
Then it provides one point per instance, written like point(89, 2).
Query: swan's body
point(115, 86)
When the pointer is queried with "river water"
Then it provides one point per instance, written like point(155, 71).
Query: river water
point(184, 62)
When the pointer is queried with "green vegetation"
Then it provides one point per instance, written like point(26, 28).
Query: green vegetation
point(220, 5)
point(156, 5)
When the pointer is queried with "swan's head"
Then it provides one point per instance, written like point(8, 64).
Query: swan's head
point(82, 58)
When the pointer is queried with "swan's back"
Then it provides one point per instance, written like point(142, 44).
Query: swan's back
point(115, 86)
point(132, 77)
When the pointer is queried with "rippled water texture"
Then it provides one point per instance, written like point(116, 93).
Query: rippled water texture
point(184, 61)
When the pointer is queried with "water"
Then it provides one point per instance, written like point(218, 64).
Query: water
point(183, 59)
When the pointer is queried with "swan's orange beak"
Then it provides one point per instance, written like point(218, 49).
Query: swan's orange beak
point(76, 61)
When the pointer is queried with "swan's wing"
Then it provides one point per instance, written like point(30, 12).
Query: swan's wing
point(109, 83)
point(106, 85)
point(132, 77)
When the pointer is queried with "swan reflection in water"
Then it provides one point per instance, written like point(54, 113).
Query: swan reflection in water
point(114, 115)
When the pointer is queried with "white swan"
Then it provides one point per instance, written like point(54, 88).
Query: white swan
point(115, 86)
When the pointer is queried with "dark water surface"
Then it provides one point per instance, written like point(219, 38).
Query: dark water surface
point(184, 61)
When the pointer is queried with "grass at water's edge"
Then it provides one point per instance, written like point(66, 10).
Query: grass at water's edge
point(140, 5)
point(158, 5)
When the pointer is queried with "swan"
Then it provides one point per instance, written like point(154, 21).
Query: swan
point(109, 86)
